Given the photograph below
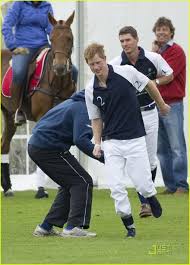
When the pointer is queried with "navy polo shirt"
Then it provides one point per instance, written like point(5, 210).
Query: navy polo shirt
point(150, 64)
point(117, 104)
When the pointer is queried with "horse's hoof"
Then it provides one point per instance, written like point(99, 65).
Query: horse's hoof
point(9, 193)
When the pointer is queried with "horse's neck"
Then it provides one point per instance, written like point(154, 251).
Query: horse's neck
point(50, 55)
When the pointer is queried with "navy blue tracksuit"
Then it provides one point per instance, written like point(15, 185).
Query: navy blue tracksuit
point(65, 125)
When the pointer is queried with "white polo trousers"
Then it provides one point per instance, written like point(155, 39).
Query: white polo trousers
point(130, 155)
point(150, 119)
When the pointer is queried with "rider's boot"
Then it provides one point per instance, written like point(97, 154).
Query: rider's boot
point(17, 97)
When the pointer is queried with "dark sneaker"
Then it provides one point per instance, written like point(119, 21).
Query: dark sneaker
point(155, 206)
point(41, 193)
point(131, 232)
point(20, 117)
point(145, 210)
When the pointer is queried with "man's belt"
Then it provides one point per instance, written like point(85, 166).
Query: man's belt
point(149, 107)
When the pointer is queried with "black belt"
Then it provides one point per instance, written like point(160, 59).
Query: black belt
point(149, 107)
point(105, 138)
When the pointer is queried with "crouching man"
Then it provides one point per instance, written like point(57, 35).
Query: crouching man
point(65, 125)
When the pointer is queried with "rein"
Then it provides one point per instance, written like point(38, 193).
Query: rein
point(47, 92)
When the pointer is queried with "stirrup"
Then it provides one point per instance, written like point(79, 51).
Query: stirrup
point(20, 117)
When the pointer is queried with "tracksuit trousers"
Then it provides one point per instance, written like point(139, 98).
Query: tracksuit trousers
point(72, 204)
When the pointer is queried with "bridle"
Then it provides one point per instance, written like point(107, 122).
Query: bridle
point(67, 55)
point(68, 61)
point(50, 91)
point(49, 63)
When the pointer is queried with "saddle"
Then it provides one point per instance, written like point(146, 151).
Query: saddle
point(33, 77)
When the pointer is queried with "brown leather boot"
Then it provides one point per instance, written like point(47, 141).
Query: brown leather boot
point(17, 99)
point(145, 210)
point(181, 191)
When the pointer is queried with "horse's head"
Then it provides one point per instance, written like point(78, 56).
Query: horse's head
point(62, 43)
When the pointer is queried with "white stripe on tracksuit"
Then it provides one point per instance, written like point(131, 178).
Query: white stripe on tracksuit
point(84, 181)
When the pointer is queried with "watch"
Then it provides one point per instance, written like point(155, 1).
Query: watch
point(157, 81)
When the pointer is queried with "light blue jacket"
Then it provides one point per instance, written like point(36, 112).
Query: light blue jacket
point(26, 25)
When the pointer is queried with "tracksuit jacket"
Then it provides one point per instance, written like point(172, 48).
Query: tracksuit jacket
point(65, 125)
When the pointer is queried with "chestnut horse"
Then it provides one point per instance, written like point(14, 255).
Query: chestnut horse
point(56, 84)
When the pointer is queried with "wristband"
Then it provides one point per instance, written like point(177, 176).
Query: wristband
point(157, 81)
point(97, 145)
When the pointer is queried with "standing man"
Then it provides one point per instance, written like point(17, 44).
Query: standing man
point(116, 120)
point(65, 125)
point(155, 68)
point(172, 151)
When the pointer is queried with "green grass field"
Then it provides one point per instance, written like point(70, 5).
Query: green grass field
point(160, 241)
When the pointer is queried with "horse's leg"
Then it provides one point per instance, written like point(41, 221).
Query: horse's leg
point(8, 132)
point(40, 104)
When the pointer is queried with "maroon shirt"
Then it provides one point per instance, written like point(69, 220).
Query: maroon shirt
point(175, 90)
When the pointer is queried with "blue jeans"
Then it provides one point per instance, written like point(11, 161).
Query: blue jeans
point(20, 63)
point(172, 152)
